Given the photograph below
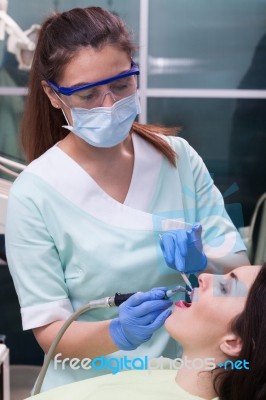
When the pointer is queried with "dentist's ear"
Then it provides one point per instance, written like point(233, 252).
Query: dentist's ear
point(231, 345)
point(51, 94)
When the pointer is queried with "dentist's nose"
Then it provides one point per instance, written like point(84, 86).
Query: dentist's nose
point(108, 99)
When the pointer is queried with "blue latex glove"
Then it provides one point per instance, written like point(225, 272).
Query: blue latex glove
point(139, 317)
point(183, 249)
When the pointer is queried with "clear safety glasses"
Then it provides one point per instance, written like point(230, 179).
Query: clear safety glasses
point(92, 95)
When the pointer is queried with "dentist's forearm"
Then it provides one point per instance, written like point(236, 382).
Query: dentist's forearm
point(225, 264)
point(81, 339)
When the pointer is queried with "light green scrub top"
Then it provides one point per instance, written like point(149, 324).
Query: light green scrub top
point(130, 385)
point(68, 242)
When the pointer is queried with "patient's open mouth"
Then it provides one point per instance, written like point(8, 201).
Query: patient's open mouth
point(182, 304)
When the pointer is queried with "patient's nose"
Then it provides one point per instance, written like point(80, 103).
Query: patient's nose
point(204, 281)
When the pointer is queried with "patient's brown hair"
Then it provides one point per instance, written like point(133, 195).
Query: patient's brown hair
point(250, 326)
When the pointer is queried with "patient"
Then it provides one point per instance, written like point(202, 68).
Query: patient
point(220, 324)
point(225, 321)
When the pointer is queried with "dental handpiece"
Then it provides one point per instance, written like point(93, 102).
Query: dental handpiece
point(119, 298)
point(171, 292)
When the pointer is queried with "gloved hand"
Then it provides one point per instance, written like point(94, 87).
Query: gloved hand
point(183, 249)
point(139, 317)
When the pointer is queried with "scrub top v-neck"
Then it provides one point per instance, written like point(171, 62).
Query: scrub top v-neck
point(146, 168)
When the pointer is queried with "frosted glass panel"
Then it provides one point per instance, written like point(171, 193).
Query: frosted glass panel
point(205, 43)
point(230, 136)
point(28, 12)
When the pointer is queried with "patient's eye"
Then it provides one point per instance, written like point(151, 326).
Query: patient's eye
point(223, 287)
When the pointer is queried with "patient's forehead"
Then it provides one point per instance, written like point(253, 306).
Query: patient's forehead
point(247, 274)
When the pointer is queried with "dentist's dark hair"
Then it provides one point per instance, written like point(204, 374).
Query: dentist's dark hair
point(250, 326)
point(62, 35)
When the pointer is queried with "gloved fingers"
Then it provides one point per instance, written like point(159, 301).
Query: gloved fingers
point(197, 227)
point(195, 232)
point(174, 248)
point(158, 322)
point(180, 236)
point(167, 244)
point(164, 288)
point(148, 325)
point(120, 338)
point(145, 320)
point(195, 264)
point(141, 297)
point(180, 259)
point(150, 307)
point(128, 335)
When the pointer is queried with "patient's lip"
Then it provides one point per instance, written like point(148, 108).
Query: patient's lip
point(182, 304)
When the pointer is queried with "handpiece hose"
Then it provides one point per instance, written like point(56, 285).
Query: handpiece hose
point(100, 303)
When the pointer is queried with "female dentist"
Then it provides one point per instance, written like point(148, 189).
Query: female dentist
point(85, 217)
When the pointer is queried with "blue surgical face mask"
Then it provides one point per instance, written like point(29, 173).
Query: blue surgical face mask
point(105, 126)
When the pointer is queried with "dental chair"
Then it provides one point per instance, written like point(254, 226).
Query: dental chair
point(258, 232)
point(254, 235)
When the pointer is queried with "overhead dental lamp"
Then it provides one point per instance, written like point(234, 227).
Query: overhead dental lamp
point(21, 43)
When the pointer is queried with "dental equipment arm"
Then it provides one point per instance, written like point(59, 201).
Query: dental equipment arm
point(5, 163)
point(21, 43)
point(105, 302)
